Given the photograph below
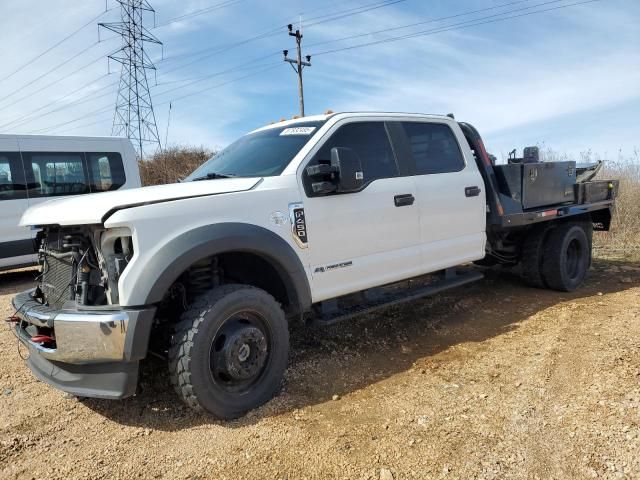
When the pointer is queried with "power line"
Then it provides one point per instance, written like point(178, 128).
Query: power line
point(22, 87)
point(350, 12)
point(87, 98)
point(212, 51)
point(50, 84)
point(30, 115)
point(220, 49)
point(270, 66)
point(456, 26)
point(327, 6)
point(433, 20)
point(198, 79)
point(85, 125)
point(172, 100)
point(42, 107)
point(199, 12)
point(23, 66)
point(217, 74)
point(250, 64)
point(94, 112)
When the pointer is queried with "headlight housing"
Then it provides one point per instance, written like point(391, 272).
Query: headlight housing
point(116, 251)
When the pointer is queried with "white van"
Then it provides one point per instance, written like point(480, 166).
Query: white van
point(36, 168)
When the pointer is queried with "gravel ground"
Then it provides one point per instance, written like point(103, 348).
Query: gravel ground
point(494, 380)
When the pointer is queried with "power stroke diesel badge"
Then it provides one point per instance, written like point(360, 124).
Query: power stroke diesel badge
point(298, 224)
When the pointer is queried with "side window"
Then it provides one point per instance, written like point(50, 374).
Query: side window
point(106, 171)
point(434, 148)
point(55, 174)
point(371, 142)
point(12, 185)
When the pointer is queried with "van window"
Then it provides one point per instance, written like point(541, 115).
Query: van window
point(106, 171)
point(12, 185)
point(55, 174)
point(434, 148)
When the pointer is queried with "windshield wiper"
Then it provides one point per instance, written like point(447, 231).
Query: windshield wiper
point(212, 175)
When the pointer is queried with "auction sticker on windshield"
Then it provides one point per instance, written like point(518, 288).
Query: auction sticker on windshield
point(298, 131)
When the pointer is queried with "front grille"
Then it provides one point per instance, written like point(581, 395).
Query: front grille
point(56, 279)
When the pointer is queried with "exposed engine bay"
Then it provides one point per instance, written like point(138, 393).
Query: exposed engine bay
point(73, 270)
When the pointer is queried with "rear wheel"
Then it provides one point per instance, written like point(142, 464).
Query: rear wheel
point(531, 259)
point(567, 257)
point(229, 351)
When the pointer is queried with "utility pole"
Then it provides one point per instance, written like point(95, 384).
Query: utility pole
point(298, 64)
point(134, 117)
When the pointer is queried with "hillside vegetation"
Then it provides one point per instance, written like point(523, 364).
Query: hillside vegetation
point(172, 164)
point(624, 237)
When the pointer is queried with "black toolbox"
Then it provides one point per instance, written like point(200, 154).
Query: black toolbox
point(538, 184)
point(548, 183)
point(596, 191)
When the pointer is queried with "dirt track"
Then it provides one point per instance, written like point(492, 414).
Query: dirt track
point(495, 380)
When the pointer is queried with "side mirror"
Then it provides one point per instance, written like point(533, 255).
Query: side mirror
point(349, 169)
point(342, 175)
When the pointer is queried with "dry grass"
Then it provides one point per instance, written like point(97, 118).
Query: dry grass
point(624, 238)
point(172, 165)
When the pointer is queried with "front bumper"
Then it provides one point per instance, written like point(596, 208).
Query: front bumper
point(96, 351)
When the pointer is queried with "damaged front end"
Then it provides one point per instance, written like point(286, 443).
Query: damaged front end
point(82, 266)
point(79, 338)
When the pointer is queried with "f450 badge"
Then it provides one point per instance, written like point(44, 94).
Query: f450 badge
point(298, 224)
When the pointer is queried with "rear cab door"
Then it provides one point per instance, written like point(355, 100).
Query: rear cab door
point(450, 191)
point(16, 247)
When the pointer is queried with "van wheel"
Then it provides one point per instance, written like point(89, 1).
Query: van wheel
point(531, 258)
point(229, 351)
point(567, 257)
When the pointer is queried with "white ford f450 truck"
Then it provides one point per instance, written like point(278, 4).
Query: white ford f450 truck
point(314, 220)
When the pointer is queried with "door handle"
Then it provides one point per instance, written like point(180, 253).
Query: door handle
point(472, 191)
point(403, 200)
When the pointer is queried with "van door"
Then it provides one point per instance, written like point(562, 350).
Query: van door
point(16, 246)
point(450, 195)
point(361, 239)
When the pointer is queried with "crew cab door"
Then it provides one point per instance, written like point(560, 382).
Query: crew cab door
point(16, 247)
point(365, 238)
point(450, 193)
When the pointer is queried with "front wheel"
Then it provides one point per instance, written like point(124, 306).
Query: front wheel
point(229, 351)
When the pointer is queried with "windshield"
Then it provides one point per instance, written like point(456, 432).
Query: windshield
point(261, 154)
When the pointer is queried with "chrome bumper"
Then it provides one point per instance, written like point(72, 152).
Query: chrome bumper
point(85, 336)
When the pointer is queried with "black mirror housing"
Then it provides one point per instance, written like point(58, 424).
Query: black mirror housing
point(349, 169)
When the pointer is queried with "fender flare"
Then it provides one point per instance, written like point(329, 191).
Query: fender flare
point(186, 249)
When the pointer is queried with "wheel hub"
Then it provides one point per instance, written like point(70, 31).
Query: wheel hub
point(245, 353)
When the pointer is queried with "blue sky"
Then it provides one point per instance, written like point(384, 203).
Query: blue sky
point(568, 79)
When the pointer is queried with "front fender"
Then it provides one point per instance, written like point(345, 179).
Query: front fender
point(181, 252)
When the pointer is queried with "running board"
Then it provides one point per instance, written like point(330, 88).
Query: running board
point(328, 312)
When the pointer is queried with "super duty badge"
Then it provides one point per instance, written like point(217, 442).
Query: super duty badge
point(298, 224)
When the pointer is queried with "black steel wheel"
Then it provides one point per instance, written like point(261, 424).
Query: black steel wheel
point(229, 351)
point(531, 257)
point(567, 256)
